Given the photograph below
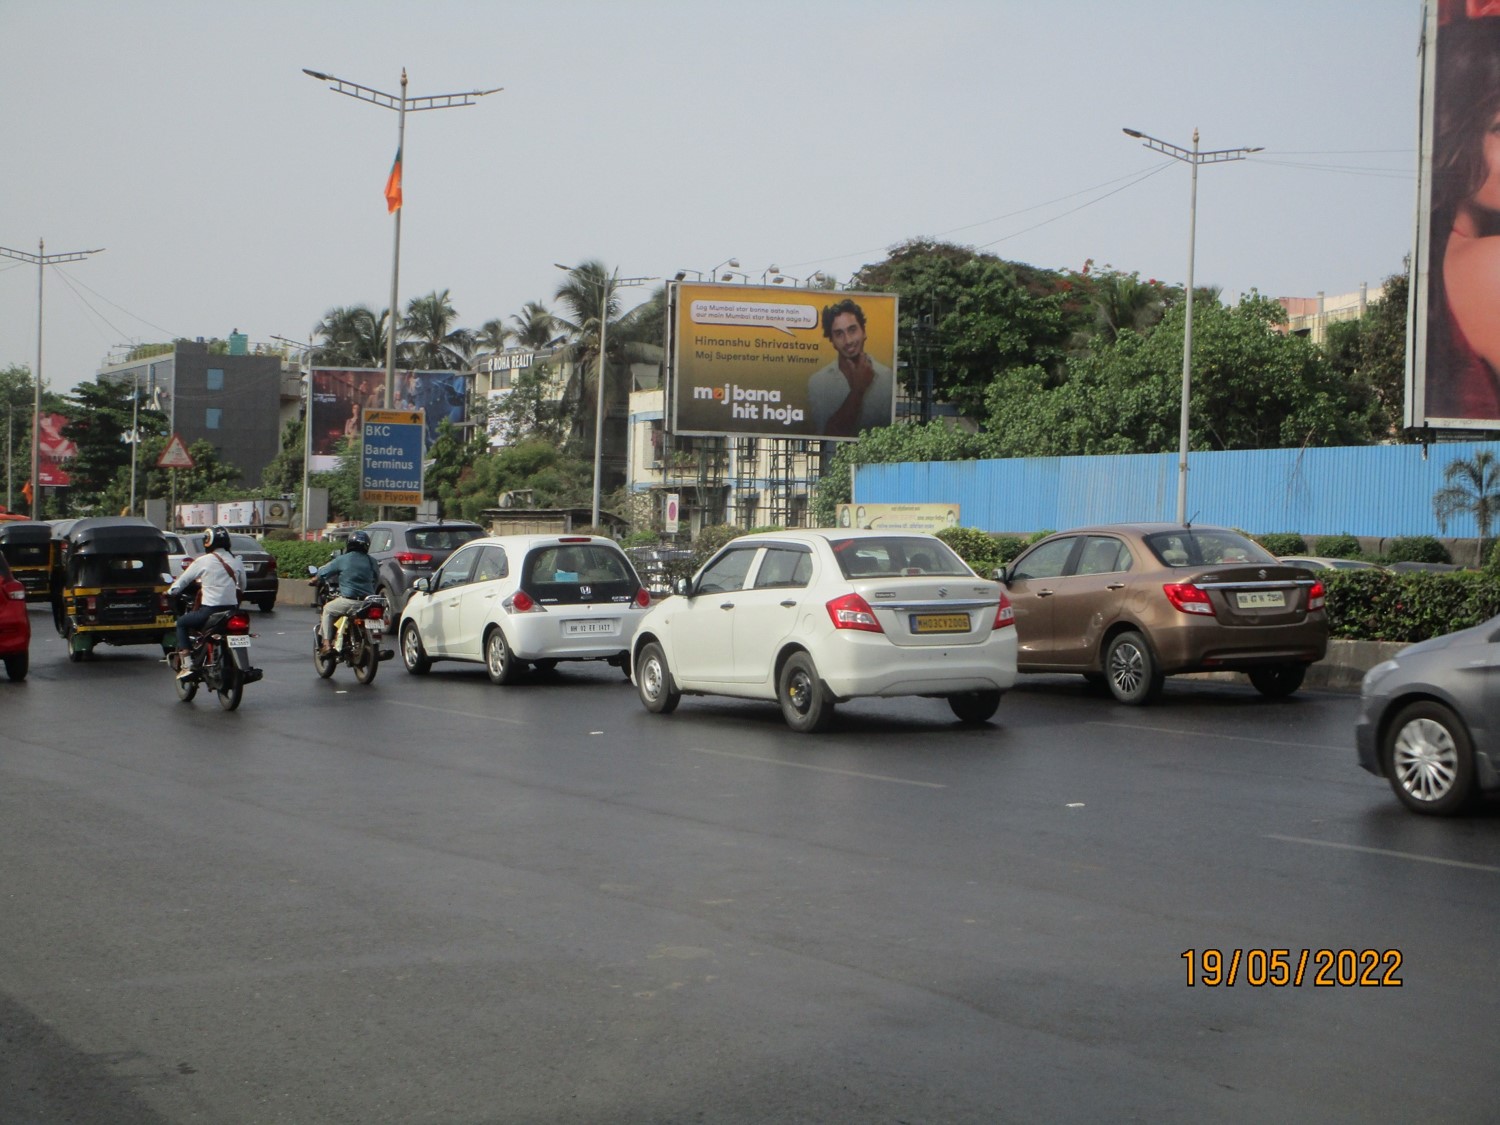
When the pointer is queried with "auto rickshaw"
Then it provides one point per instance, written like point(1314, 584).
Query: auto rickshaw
point(29, 549)
point(114, 586)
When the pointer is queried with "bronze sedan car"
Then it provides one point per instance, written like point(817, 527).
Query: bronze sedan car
point(1130, 604)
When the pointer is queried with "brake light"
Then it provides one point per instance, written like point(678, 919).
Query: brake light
point(521, 602)
point(1187, 598)
point(1316, 596)
point(271, 566)
point(411, 558)
point(1005, 613)
point(238, 624)
point(643, 598)
point(375, 613)
point(574, 539)
point(852, 612)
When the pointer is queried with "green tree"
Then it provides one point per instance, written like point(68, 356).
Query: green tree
point(344, 504)
point(283, 475)
point(433, 341)
point(1473, 489)
point(99, 418)
point(534, 326)
point(1371, 354)
point(351, 336)
point(491, 338)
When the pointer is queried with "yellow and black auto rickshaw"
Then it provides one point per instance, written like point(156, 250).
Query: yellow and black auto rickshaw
point(113, 586)
point(29, 549)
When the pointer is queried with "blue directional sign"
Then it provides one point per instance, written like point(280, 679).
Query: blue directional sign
point(391, 471)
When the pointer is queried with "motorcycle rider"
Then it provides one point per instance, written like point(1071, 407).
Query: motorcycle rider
point(221, 579)
point(358, 577)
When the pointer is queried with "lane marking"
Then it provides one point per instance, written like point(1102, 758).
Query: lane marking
point(815, 769)
point(1215, 735)
point(1387, 851)
point(463, 714)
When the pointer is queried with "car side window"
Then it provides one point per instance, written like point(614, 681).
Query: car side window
point(458, 570)
point(727, 572)
point(491, 565)
point(782, 567)
point(380, 540)
point(1103, 554)
point(1044, 561)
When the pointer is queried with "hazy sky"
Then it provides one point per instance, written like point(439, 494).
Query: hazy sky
point(231, 191)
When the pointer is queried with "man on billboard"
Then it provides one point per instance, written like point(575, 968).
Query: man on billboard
point(855, 392)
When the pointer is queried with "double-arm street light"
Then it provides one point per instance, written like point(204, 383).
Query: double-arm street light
point(1194, 158)
point(41, 259)
point(614, 282)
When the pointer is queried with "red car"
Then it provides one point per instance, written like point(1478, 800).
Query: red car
point(15, 625)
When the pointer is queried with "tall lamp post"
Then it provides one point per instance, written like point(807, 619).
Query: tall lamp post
point(609, 286)
point(1194, 158)
point(41, 259)
point(307, 356)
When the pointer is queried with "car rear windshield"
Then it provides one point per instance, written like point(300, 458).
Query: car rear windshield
point(1205, 547)
point(575, 573)
point(239, 544)
point(441, 538)
point(890, 556)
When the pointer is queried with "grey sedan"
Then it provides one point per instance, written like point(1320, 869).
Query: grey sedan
point(1428, 720)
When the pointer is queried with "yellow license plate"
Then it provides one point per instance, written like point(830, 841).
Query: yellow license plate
point(940, 623)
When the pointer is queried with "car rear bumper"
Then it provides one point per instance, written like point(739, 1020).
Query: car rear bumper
point(1204, 645)
point(545, 636)
point(866, 664)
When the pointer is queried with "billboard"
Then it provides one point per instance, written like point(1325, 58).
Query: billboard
point(1454, 358)
point(52, 451)
point(930, 518)
point(772, 362)
point(391, 472)
point(339, 394)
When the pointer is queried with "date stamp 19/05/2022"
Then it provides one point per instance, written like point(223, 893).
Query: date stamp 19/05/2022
point(1282, 968)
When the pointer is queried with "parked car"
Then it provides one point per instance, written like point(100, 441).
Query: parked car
point(182, 550)
point(1130, 604)
point(15, 624)
point(262, 582)
point(1317, 562)
point(514, 600)
point(1429, 720)
point(407, 550)
point(812, 619)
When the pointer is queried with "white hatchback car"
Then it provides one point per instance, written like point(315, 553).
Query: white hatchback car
point(814, 618)
point(513, 600)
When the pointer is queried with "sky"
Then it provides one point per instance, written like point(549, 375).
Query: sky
point(230, 191)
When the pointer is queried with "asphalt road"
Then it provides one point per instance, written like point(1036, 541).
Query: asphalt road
point(435, 900)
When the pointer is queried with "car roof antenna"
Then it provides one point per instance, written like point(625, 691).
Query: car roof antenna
point(1191, 518)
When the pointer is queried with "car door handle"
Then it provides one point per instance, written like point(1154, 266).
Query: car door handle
point(1115, 586)
point(788, 604)
point(1044, 593)
point(726, 605)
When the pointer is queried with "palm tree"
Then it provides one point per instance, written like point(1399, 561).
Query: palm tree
point(1124, 302)
point(535, 327)
point(432, 340)
point(351, 335)
point(492, 337)
point(1473, 489)
point(591, 302)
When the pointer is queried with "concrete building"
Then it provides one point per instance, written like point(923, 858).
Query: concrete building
point(1311, 316)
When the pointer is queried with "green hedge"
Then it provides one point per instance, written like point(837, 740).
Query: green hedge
point(1384, 605)
point(293, 557)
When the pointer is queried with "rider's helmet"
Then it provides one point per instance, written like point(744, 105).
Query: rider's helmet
point(359, 541)
point(215, 539)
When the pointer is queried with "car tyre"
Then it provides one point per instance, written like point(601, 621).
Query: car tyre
point(499, 661)
point(16, 666)
point(804, 701)
point(413, 655)
point(653, 681)
point(1131, 671)
point(1429, 759)
point(1278, 681)
point(975, 706)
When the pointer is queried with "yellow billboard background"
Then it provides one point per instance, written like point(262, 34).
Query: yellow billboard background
point(744, 354)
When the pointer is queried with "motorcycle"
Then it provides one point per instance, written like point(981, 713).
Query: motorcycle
point(356, 640)
point(220, 657)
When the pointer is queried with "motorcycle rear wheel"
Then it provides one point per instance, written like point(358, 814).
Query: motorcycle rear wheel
point(231, 684)
point(365, 657)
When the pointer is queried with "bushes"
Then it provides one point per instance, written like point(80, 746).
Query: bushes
point(1338, 547)
point(1283, 543)
point(979, 549)
point(1382, 605)
point(1493, 566)
point(1418, 548)
point(294, 556)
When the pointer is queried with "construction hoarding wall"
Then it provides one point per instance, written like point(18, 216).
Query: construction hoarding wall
point(772, 362)
point(1454, 354)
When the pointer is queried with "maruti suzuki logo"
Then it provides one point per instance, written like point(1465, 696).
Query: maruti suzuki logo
point(942, 591)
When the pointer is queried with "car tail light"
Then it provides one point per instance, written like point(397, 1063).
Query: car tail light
point(412, 558)
point(271, 565)
point(643, 598)
point(522, 602)
point(1188, 598)
point(1316, 596)
point(1005, 613)
point(573, 539)
point(852, 612)
point(16, 592)
point(163, 603)
point(238, 624)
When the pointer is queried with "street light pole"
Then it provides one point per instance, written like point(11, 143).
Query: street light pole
point(41, 258)
point(1194, 158)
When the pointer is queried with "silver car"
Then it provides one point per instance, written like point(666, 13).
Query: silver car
point(1429, 720)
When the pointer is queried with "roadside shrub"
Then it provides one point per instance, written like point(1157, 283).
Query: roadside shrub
point(1382, 605)
point(977, 548)
point(294, 556)
point(1417, 548)
point(1338, 546)
point(1009, 546)
point(1493, 566)
point(1283, 543)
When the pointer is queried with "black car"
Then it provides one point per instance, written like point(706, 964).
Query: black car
point(262, 582)
point(406, 550)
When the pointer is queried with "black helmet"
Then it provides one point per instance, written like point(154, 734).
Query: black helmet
point(215, 539)
point(360, 542)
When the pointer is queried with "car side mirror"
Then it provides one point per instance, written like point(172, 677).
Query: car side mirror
point(683, 587)
point(422, 586)
point(1000, 574)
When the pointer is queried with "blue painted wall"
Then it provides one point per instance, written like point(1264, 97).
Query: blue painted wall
point(1374, 490)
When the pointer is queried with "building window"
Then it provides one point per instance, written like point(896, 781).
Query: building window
point(216, 378)
point(211, 417)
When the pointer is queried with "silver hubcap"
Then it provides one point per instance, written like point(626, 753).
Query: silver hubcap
point(497, 654)
point(1127, 668)
point(651, 678)
point(409, 647)
point(1425, 760)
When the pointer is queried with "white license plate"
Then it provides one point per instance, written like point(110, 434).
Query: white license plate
point(1261, 599)
point(239, 642)
point(586, 628)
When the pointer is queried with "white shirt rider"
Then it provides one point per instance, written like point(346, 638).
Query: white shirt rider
point(221, 575)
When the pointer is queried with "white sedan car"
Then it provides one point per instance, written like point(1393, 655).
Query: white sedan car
point(513, 600)
point(815, 618)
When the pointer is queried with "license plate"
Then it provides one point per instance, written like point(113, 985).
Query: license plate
point(238, 642)
point(940, 623)
point(1261, 599)
point(585, 628)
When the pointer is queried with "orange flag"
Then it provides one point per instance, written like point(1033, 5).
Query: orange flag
point(393, 185)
